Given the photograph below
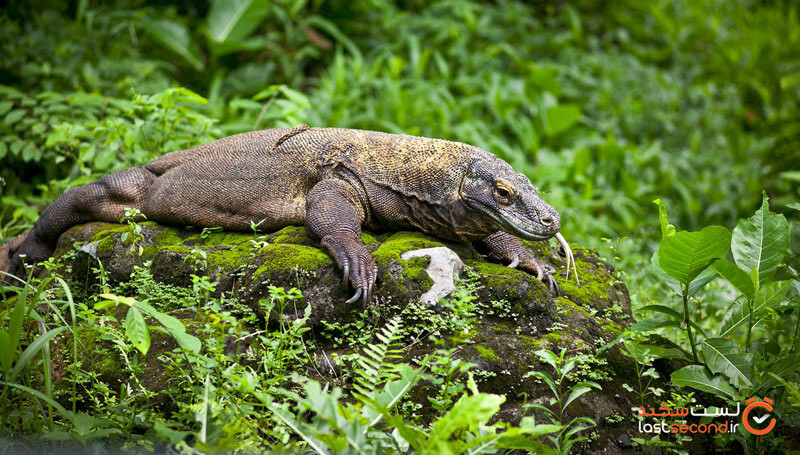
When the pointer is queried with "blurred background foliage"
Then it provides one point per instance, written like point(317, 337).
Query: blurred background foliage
point(604, 105)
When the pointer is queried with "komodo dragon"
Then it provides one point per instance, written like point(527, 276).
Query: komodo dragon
point(332, 180)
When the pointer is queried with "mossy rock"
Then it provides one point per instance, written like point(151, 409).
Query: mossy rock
point(518, 318)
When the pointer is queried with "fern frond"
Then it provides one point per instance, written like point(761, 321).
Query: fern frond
point(375, 365)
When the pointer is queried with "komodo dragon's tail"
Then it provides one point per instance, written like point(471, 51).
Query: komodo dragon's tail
point(7, 252)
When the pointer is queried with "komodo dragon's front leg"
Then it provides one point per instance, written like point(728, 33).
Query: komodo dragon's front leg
point(506, 248)
point(334, 214)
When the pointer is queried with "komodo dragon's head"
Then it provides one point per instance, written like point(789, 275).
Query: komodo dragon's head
point(508, 200)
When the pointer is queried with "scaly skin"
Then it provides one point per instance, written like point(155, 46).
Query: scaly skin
point(332, 180)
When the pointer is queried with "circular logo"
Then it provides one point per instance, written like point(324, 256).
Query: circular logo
point(746, 419)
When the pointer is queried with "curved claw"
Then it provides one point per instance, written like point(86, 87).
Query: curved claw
point(345, 274)
point(514, 262)
point(355, 296)
point(552, 287)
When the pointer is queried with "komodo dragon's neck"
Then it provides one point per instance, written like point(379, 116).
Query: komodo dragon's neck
point(406, 181)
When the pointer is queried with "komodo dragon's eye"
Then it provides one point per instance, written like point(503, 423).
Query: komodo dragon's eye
point(504, 193)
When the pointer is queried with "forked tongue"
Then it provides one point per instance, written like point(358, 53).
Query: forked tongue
point(570, 257)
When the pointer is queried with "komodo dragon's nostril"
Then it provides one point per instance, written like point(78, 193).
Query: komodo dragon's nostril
point(547, 221)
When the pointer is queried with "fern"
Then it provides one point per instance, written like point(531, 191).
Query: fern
point(375, 365)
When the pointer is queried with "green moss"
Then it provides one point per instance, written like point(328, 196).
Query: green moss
point(486, 353)
point(369, 240)
point(414, 270)
point(502, 329)
point(561, 339)
point(612, 328)
point(400, 242)
point(106, 236)
point(167, 236)
point(291, 234)
point(567, 308)
point(501, 278)
point(532, 343)
point(284, 257)
point(593, 284)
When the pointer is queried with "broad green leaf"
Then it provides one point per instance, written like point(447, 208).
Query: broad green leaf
point(548, 357)
point(684, 255)
point(561, 117)
point(177, 39)
point(136, 329)
point(697, 377)
point(643, 352)
point(724, 356)
point(394, 391)
point(468, 412)
point(771, 294)
point(119, 299)
point(738, 313)
point(782, 368)
point(650, 324)
point(248, 45)
point(5, 106)
point(167, 433)
point(233, 20)
point(666, 228)
point(544, 377)
point(696, 284)
point(663, 309)
point(760, 242)
point(737, 277)
point(15, 116)
point(175, 328)
point(187, 342)
point(579, 390)
point(536, 431)
point(794, 205)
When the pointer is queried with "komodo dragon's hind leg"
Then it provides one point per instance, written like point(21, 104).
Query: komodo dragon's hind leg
point(102, 200)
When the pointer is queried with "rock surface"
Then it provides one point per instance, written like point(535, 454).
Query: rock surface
point(517, 316)
point(445, 266)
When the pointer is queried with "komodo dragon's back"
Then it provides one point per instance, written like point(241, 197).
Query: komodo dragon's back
point(225, 148)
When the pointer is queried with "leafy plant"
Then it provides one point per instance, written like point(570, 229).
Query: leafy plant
point(734, 367)
point(563, 396)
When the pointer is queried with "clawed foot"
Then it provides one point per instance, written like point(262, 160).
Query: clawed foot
point(543, 271)
point(356, 263)
point(506, 248)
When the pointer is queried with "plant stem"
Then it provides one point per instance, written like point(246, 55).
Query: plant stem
point(686, 321)
point(749, 324)
point(794, 339)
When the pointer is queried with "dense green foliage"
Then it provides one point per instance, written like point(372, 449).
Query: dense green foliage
point(605, 107)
